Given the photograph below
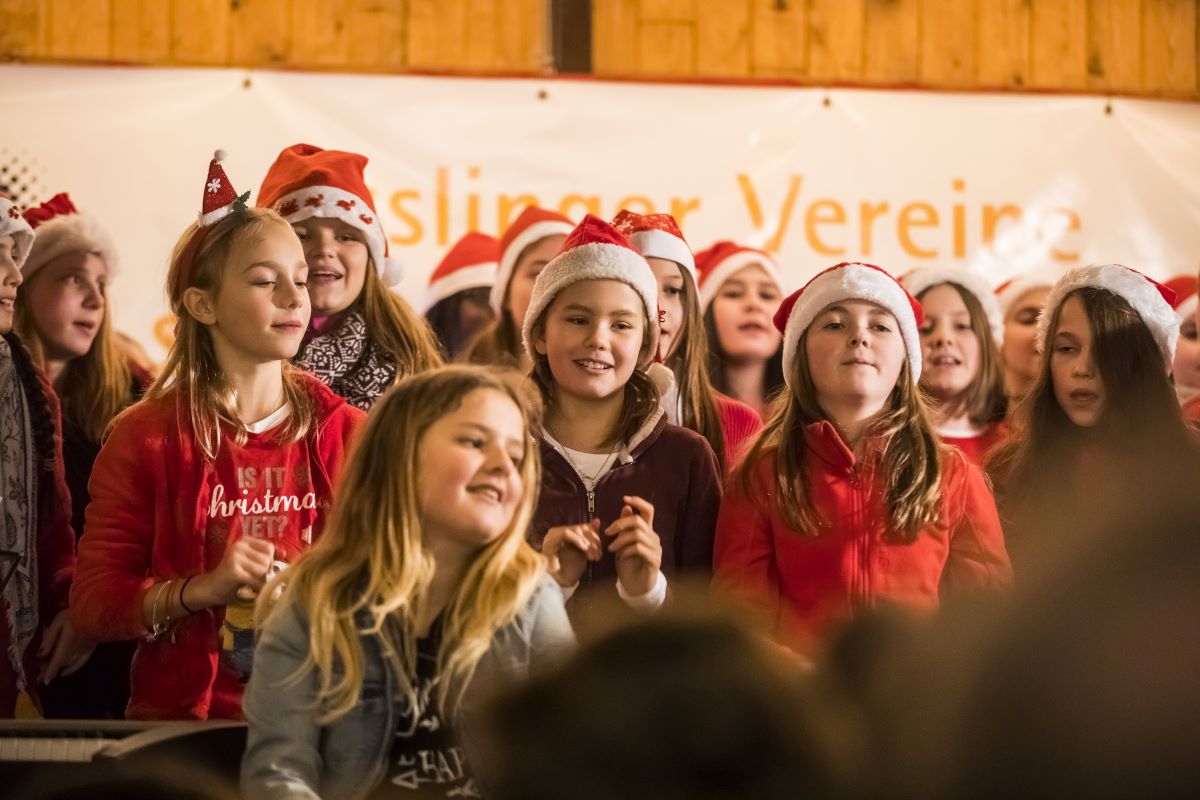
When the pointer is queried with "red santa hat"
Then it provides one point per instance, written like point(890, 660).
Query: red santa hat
point(657, 236)
point(720, 262)
point(848, 281)
point(1013, 289)
point(595, 251)
point(1185, 287)
point(533, 225)
point(306, 181)
point(14, 225)
point(1149, 298)
point(922, 279)
point(218, 200)
point(470, 264)
point(62, 229)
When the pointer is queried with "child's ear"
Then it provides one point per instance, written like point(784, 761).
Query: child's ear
point(539, 340)
point(199, 304)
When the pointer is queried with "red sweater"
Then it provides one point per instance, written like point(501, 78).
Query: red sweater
point(977, 448)
point(739, 425)
point(152, 498)
point(806, 585)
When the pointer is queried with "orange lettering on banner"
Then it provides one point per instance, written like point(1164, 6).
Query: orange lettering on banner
point(960, 222)
point(1073, 224)
point(508, 207)
point(473, 203)
point(755, 208)
point(443, 207)
point(645, 202)
point(415, 228)
point(992, 216)
point(590, 203)
point(164, 330)
point(868, 212)
point(681, 207)
point(907, 220)
point(814, 217)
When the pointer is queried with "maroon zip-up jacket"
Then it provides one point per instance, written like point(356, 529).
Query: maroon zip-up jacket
point(669, 466)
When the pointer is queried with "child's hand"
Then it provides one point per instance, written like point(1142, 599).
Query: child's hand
point(568, 548)
point(637, 547)
point(247, 562)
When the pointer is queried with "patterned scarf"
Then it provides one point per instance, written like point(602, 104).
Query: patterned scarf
point(349, 363)
point(18, 512)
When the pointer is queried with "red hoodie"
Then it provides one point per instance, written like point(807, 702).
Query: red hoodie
point(149, 520)
point(807, 584)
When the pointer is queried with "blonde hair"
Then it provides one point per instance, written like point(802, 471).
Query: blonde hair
point(191, 369)
point(95, 386)
point(396, 329)
point(911, 461)
point(371, 561)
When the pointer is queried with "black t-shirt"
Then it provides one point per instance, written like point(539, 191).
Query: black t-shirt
point(426, 758)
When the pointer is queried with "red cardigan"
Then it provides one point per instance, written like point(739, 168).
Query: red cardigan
point(806, 585)
point(739, 425)
point(147, 522)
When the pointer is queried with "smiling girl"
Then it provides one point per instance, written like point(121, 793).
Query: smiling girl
point(218, 477)
point(628, 500)
point(740, 288)
point(423, 593)
point(362, 337)
point(847, 500)
point(961, 370)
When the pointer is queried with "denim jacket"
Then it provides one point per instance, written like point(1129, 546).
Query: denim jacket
point(289, 755)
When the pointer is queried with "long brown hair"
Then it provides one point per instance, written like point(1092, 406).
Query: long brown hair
point(641, 395)
point(95, 386)
point(498, 344)
point(983, 400)
point(396, 328)
point(689, 364)
point(910, 462)
point(191, 370)
point(371, 561)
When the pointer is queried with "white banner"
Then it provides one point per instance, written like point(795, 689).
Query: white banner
point(999, 183)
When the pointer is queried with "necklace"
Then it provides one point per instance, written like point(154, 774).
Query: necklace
point(589, 481)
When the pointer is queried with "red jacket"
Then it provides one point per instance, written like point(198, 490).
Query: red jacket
point(977, 448)
point(808, 584)
point(739, 424)
point(147, 522)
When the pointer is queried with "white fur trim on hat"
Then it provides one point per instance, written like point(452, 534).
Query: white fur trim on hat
point(1187, 309)
point(330, 202)
point(660, 244)
point(851, 282)
point(476, 276)
point(730, 267)
point(70, 233)
point(924, 278)
point(14, 225)
point(1018, 288)
point(595, 261)
point(1134, 287)
point(508, 259)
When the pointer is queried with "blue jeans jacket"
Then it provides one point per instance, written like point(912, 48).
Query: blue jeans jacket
point(289, 755)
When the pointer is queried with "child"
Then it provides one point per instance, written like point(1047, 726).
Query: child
point(37, 639)
point(1186, 367)
point(847, 500)
point(626, 497)
point(456, 306)
point(682, 343)
point(423, 589)
point(962, 371)
point(526, 248)
point(219, 476)
point(1102, 409)
point(740, 288)
point(362, 337)
point(1021, 300)
point(63, 317)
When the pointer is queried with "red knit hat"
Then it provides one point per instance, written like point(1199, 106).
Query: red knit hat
point(720, 262)
point(1013, 289)
point(470, 264)
point(306, 181)
point(14, 225)
point(657, 236)
point(849, 281)
point(594, 251)
point(1185, 287)
point(533, 225)
point(1150, 299)
point(61, 229)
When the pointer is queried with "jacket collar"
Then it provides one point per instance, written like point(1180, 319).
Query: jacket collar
point(823, 440)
